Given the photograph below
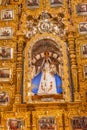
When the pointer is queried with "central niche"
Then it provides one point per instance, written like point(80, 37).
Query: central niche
point(46, 71)
point(47, 67)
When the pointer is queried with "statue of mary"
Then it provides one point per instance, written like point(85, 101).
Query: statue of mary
point(47, 81)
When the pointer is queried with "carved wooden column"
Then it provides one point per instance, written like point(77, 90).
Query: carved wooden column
point(19, 69)
point(71, 43)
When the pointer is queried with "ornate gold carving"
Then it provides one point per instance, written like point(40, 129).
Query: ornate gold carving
point(71, 43)
point(19, 69)
point(32, 111)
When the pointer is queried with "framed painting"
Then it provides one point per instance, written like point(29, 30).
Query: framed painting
point(5, 74)
point(56, 3)
point(32, 3)
point(7, 14)
point(4, 98)
point(79, 123)
point(85, 71)
point(47, 123)
point(81, 9)
point(6, 33)
point(84, 50)
point(15, 124)
point(6, 53)
point(83, 28)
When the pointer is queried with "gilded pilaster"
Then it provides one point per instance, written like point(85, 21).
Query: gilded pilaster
point(71, 43)
point(19, 70)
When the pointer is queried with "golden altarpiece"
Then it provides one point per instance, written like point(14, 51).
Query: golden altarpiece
point(43, 65)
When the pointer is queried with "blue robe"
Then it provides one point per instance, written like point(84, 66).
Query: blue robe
point(36, 82)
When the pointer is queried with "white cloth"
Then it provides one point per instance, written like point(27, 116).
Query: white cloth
point(47, 83)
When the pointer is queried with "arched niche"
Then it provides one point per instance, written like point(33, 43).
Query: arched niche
point(52, 49)
point(34, 55)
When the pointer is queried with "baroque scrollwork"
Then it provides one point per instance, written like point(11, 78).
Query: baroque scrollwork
point(46, 23)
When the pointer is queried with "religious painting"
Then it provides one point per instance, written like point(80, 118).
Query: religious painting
point(6, 53)
point(7, 14)
point(79, 123)
point(81, 9)
point(83, 28)
point(47, 123)
point(32, 3)
point(4, 98)
point(6, 33)
point(15, 124)
point(56, 2)
point(85, 71)
point(84, 50)
point(5, 74)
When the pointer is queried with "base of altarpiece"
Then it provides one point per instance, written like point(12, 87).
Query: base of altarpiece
point(49, 97)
